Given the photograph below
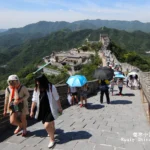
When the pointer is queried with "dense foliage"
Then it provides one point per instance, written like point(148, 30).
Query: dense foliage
point(130, 57)
point(30, 53)
point(88, 69)
point(134, 41)
point(22, 59)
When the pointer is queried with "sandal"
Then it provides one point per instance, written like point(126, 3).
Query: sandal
point(81, 105)
point(17, 130)
point(24, 133)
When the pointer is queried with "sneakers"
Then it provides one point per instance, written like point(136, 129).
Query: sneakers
point(51, 144)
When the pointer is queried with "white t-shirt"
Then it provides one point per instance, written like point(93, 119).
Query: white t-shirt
point(120, 84)
point(112, 83)
point(53, 97)
point(73, 89)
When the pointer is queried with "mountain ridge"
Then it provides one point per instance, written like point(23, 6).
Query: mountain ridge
point(25, 57)
point(46, 27)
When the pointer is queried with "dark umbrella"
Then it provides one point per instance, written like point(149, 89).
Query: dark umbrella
point(104, 73)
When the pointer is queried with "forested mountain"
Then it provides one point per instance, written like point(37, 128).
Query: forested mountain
point(9, 41)
point(23, 58)
point(134, 41)
point(28, 54)
point(12, 49)
point(45, 27)
point(34, 50)
point(17, 36)
point(13, 38)
point(120, 25)
point(3, 30)
point(10, 45)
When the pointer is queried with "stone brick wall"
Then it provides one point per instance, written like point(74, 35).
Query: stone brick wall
point(145, 84)
point(3, 120)
point(143, 76)
point(62, 90)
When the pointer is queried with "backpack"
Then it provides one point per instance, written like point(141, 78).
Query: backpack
point(103, 86)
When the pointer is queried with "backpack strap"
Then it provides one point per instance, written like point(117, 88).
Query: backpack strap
point(69, 90)
point(51, 90)
point(20, 88)
point(8, 90)
point(51, 86)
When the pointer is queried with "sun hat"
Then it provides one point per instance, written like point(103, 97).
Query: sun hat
point(13, 77)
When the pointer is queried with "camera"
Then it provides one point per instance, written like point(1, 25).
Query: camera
point(14, 108)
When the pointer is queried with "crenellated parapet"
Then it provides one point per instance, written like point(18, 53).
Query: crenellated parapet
point(62, 90)
point(145, 84)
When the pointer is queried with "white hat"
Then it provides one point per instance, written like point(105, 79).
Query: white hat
point(13, 77)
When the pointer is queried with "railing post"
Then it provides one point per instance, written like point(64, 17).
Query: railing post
point(143, 99)
point(149, 112)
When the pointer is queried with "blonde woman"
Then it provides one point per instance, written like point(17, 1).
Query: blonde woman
point(16, 103)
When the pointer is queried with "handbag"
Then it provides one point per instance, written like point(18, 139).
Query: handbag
point(69, 97)
point(34, 110)
point(15, 108)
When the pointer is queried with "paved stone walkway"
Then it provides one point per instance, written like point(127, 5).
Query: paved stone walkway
point(121, 125)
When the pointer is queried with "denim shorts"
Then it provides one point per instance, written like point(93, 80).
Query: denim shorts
point(84, 94)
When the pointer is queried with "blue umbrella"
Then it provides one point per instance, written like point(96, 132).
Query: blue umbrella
point(76, 81)
point(119, 76)
point(117, 72)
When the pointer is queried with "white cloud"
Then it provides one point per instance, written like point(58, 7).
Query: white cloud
point(13, 18)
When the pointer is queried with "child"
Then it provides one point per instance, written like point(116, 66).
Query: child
point(83, 95)
point(120, 86)
point(73, 93)
point(112, 83)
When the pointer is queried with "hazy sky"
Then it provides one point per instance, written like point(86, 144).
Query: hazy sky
point(18, 13)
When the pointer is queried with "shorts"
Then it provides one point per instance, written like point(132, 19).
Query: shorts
point(84, 94)
point(74, 94)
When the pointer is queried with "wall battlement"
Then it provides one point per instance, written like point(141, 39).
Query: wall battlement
point(62, 90)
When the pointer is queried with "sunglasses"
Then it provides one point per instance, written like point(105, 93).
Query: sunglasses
point(12, 81)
